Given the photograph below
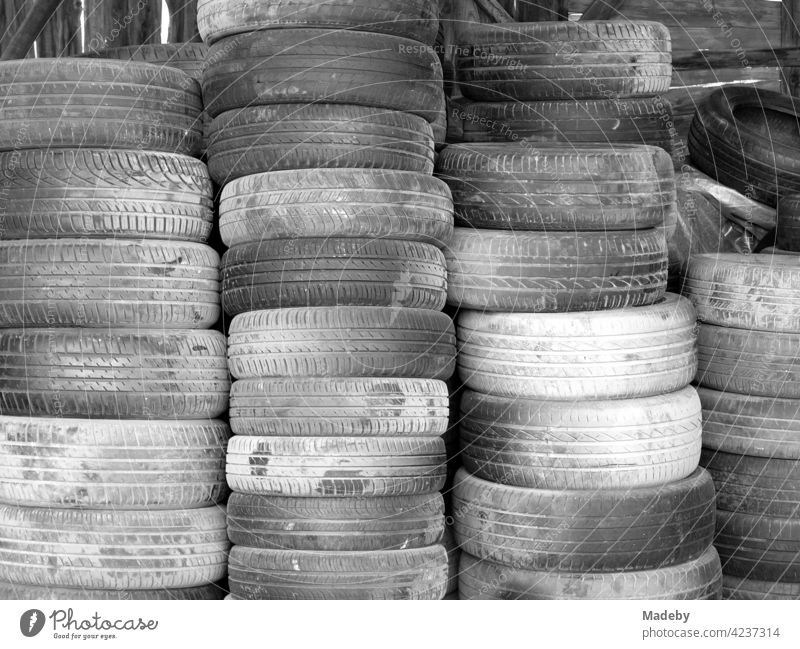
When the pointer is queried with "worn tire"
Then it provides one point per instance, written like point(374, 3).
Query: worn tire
point(350, 407)
point(260, 139)
point(564, 60)
point(188, 57)
point(417, 574)
point(104, 194)
point(28, 592)
point(321, 272)
point(92, 103)
point(553, 187)
point(335, 524)
point(619, 354)
point(108, 283)
point(696, 580)
point(291, 66)
point(112, 549)
point(342, 342)
point(756, 363)
point(751, 589)
point(621, 444)
point(110, 374)
point(787, 232)
point(336, 466)
point(554, 272)
point(375, 204)
point(415, 19)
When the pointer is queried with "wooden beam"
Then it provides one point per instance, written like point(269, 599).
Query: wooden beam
point(23, 39)
point(531, 11)
point(182, 21)
point(709, 60)
point(118, 23)
point(61, 36)
point(602, 10)
point(790, 37)
point(495, 11)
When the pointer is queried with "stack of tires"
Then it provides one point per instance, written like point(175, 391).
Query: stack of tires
point(749, 308)
point(335, 280)
point(111, 459)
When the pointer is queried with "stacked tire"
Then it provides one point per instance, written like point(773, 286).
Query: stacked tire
point(322, 138)
point(111, 456)
point(749, 309)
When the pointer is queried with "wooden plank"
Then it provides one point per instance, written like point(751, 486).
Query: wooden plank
point(182, 21)
point(531, 11)
point(736, 59)
point(61, 35)
point(602, 9)
point(495, 11)
point(736, 13)
point(117, 23)
point(20, 42)
point(790, 36)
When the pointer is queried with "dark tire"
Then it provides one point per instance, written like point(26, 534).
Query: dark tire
point(110, 374)
point(27, 592)
point(696, 580)
point(618, 354)
point(756, 363)
point(750, 589)
point(335, 524)
point(564, 60)
point(188, 57)
point(98, 193)
point(291, 66)
point(417, 574)
point(554, 187)
point(108, 282)
point(350, 407)
point(333, 271)
point(375, 204)
point(621, 444)
point(112, 464)
point(336, 466)
point(547, 272)
point(608, 530)
point(86, 103)
point(284, 137)
point(112, 549)
point(453, 559)
point(415, 19)
point(787, 233)
point(342, 342)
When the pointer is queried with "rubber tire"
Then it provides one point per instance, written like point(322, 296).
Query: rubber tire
point(108, 282)
point(342, 342)
point(335, 524)
point(787, 233)
point(619, 354)
point(188, 57)
point(284, 137)
point(99, 193)
point(756, 363)
point(416, 574)
point(112, 549)
point(564, 60)
point(750, 589)
point(748, 425)
point(556, 187)
point(26, 592)
point(334, 271)
point(306, 66)
point(415, 19)
point(329, 407)
point(73, 102)
point(621, 444)
point(453, 559)
point(354, 467)
point(696, 580)
point(375, 204)
point(544, 272)
point(113, 374)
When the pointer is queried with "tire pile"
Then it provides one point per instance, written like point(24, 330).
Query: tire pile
point(111, 461)
point(335, 280)
point(580, 432)
point(750, 390)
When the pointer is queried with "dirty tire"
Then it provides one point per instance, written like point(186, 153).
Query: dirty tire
point(375, 204)
point(260, 139)
point(86, 103)
point(320, 272)
point(99, 193)
point(113, 549)
point(544, 444)
point(698, 579)
point(415, 19)
point(787, 233)
point(108, 282)
point(336, 466)
point(28, 592)
point(342, 342)
point(546, 272)
point(188, 57)
point(751, 589)
point(417, 574)
point(291, 66)
point(564, 60)
point(335, 524)
point(110, 374)
point(350, 407)
point(619, 354)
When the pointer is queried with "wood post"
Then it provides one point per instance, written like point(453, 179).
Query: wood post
point(117, 23)
point(183, 21)
point(790, 37)
point(17, 44)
